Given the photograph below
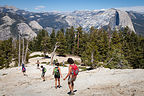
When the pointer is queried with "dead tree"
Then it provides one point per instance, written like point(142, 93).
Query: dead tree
point(92, 58)
point(23, 52)
point(19, 60)
point(53, 53)
point(26, 51)
point(109, 61)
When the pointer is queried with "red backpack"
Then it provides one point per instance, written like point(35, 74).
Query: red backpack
point(75, 70)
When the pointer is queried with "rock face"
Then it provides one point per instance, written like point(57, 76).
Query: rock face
point(35, 25)
point(5, 32)
point(125, 20)
point(7, 20)
point(12, 24)
point(26, 31)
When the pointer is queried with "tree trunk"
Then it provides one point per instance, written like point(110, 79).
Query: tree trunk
point(109, 61)
point(92, 59)
point(23, 52)
point(78, 41)
point(26, 51)
point(19, 51)
point(52, 54)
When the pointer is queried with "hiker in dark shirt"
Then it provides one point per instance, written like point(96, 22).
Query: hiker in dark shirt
point(23, 69)
point(43, 73)
point(57, 74)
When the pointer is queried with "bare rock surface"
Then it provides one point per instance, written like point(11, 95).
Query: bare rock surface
point(97, 82)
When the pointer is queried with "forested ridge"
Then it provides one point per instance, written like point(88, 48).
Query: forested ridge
point(116, 49)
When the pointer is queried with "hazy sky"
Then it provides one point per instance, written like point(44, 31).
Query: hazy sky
point(70, 5)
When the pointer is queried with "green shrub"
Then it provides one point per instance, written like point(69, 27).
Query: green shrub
point(83, 68)
point(43, 62)
point(35, 56)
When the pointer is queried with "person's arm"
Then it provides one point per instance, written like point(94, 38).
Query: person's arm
point(60, 72)
point(68, 73)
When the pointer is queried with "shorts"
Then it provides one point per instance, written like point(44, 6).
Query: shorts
point(71, 79)
point(37, 65)
point(56, 76)
point(23, 71)
point(43, 74)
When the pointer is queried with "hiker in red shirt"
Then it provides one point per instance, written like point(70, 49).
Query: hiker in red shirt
point(72, 74)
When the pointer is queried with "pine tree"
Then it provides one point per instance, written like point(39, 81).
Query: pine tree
point(6, 53)
point(46, 45)
point(62, 43)
point(39, 39)
point(70, 37)
point(52, 39)
point(78, 41)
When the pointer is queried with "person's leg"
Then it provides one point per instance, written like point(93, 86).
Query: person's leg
point(55, 82)
point(44, 78)
point(59, 82)
point(72, 85)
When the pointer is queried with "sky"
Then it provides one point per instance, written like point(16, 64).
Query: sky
point(70, 5)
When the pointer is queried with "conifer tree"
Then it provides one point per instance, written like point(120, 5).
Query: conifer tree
point(62, 43)
point(52, 39)
point(70, 37)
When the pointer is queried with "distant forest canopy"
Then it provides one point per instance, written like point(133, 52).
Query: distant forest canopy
point(116, 49)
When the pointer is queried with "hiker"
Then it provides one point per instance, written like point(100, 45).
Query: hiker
point(38, 64)
point(23, 69)
point(57, 74)
point(72, 75)
point(43, 73)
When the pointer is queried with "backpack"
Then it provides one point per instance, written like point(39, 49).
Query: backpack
point(23, 69)
point(56, 71)
point(45, 70)
point(75, 70)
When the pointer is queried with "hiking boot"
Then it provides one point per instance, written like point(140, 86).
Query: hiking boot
point(58, 86)
point(72, 93)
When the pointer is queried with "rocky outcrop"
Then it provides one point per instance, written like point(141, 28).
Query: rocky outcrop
point(35, 25)
point(11, 25)
point(7, 20)
point(5, 32)
point(125, 20)
point(26, 31)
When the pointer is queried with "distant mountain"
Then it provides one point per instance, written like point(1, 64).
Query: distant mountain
point(14, 21)
point(57, 20)
point(12, 24)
